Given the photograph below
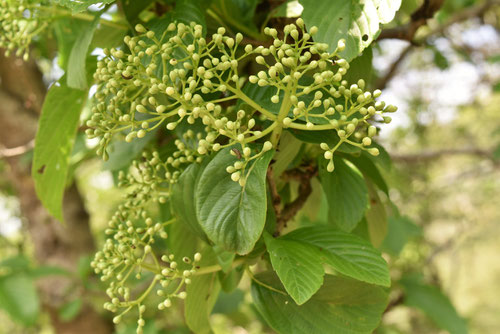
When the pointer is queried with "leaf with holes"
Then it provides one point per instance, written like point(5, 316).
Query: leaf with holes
point(358, 22)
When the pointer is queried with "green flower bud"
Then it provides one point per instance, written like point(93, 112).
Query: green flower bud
point(330, 167)
point(140, 28)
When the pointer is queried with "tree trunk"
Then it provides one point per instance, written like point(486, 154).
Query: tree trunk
point(21, 96)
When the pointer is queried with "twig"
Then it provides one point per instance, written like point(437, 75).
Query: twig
point(418, 19)
point(395, 302)
point(305, 190)
point(275, 196)
point(382, 82)
point(15, 151)
point(432, 155)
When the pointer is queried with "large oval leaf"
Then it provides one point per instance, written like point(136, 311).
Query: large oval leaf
point(348, 254)
point(232, 216)
point(298, 266)
point(341, 306)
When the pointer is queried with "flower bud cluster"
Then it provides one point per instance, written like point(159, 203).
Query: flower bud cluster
point(20, 21)
point(182, 77)
point(128, 254)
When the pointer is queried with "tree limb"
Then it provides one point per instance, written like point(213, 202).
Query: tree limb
point(275, 196)
point(305, 189)
point(433, 155)
point(15, 151)
point(418, 18)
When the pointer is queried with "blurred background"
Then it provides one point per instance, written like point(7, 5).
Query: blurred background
point(439, 62)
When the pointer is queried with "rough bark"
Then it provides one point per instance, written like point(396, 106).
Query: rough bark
point(21, 96)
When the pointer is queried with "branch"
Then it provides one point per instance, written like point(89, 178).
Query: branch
point(275, 196)
point(432, 155)
point(426, 11)
point(305, 189)
point(382, 82)
point(15, 151)
point(418, 19)
point(395, 302)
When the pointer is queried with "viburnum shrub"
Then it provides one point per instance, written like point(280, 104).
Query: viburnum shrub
point(240, 162)
point(193, 88)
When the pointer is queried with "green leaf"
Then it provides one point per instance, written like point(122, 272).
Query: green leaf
point(183, 198)
point(122, 153)
point(231, 280)
point(202, 294)
point(361, 67)
point(232, 216)
point(365, 164)
point(298, 266)
point(323, 136)
point(66, 31)
point(77, 75)
point(383, 159)
point(188, 11)
point(346, 192)
point(182, 242)
point(107, 37)
point(358, 22)
point(400, 230)
point(225, 259)
point(376, 218)
point(132, 9)
point(239, 14)
point(348, 254)
point(70, 310)
point(54, 144)
point(81, 5)
point(228, 303)
point(341, 306)
point(434, 304)
point(18, 297)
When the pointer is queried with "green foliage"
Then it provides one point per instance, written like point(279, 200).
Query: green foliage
point(355, 21)
point(341, 305)
point(435, 304)
point(202, 294)
point(298, 266)
point(346, 253)
point(231, 215)
point(217, 145)
point(346, 192)
point(81, 5)
point(77, 75)
point(19, 298)
point(57, 128)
